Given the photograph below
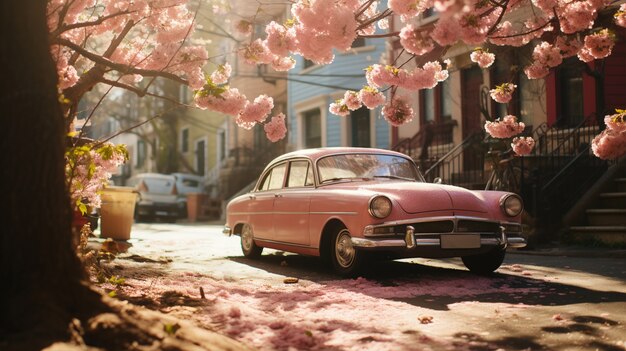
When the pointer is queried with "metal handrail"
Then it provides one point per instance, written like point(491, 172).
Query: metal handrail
point(576, 129)
point(443, 158)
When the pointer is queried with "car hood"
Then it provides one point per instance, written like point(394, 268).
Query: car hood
point(428, 197)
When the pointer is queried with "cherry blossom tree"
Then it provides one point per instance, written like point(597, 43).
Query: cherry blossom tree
point(556, 29)
point(69, 46)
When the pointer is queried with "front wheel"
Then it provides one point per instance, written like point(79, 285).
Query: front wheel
point(346, 260)
point(484, 263)
point(248, 246)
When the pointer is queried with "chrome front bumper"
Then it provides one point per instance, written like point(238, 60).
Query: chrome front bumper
point(226, 231)
point(411, 241)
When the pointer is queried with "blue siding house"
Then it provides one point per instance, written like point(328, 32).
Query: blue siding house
point(311, 90)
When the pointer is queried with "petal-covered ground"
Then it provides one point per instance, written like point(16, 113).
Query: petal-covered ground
point(351, 314)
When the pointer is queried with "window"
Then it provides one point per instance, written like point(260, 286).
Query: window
point(428, 97)
point(436, 103)
point(360, 125)
point(300, 174)
point(184, 140)
point(182, 93)
point(274, 178)
point(307, 63)
point(312, 128)
point(221, 136)
point(141, 153)
point(570, 84)
point(359, 42)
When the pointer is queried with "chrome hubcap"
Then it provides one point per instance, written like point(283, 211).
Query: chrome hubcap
point(344, 251)
point(246, 238)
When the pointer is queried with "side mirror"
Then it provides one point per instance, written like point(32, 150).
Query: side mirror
point(438, 180)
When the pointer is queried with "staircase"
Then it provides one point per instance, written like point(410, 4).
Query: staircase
point(605, 217)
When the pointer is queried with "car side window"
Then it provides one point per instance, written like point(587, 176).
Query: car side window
point(300, 174)
point(277, 175)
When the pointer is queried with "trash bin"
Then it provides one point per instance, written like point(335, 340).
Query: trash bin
point(195, 203)
point(117, 212)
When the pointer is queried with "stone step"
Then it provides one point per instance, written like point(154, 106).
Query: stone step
point(615, 200)
point(620, 184)
point(606, 217)
point(611, 235)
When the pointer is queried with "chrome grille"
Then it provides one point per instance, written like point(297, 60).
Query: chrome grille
point(477, 227)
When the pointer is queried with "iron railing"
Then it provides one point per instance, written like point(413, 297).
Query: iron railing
point(458, 168)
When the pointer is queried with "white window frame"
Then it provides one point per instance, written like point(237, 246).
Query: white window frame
point(321, 102)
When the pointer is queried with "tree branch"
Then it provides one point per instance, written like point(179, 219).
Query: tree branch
point(118, 66)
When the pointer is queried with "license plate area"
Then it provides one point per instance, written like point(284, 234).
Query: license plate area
point(460, 241)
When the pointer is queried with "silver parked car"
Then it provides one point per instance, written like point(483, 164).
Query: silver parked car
point(158, 197)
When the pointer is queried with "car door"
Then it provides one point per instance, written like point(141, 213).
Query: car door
point(291, 204)
point(261, 204)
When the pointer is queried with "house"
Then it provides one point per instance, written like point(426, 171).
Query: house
point(245, 153)
point(311, 90)
point(563, 112)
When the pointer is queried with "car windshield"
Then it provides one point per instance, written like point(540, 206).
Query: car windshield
point(366, 166)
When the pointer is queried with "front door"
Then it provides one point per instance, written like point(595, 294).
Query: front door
point(471, 80)
point(291, 205)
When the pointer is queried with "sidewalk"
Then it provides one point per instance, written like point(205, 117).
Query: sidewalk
point(571, 251)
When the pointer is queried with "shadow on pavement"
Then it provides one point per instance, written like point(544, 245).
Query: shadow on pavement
point(400, 273)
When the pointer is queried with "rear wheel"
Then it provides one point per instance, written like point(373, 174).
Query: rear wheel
point(346, 260)
point(248, 246)
point(485, 263)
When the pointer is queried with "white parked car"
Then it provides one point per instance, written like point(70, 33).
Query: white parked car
point(158, 197)
point(187, 184)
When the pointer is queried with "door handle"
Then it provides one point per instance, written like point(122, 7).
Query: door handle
point(278, 195)
point(252, 197)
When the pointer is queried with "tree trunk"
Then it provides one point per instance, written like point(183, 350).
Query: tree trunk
point(40, 274)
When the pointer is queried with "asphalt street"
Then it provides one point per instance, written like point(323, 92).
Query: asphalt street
point(550, 300)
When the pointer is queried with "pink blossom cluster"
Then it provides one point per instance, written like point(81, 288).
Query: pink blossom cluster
point(505, 128)
point(221, 99)
point(408, 8)
point(350, 102)
point(416, 41)
point(423, 77)
point(469, 24)
point(620, 16)
point(255, 112)
point(221, 74)
point(231, 102)
point(483, 57)
point(506, 34)
point(610, 144)
point(503, 92)
point(597, 46)
point(90, 170)
point(523, 145)
point(275, 129)
point(575, 16)
point(317, 29)
point(155, 41)
point(545, 56)
point(398, 111)
point(371, 97)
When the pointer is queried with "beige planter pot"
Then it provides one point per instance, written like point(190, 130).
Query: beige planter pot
point(117, 212)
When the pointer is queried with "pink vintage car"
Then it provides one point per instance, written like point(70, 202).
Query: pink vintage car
point(348, 205)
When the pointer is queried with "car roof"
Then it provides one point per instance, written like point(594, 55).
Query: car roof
point(187, 175)
point(317, 153)
point(154, 175)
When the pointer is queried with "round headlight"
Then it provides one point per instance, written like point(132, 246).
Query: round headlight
point(511, 205)
point(380, 206)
